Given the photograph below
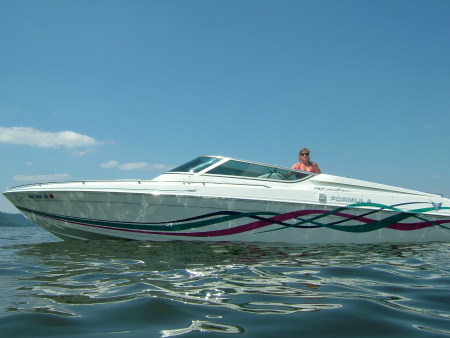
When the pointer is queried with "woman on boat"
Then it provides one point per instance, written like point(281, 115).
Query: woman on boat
point(305, 164)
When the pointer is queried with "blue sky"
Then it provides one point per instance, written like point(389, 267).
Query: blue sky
point(93, 89)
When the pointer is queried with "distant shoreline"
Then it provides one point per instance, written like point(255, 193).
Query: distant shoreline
point(14, 220)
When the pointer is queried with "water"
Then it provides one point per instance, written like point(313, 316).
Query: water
point(170, 289)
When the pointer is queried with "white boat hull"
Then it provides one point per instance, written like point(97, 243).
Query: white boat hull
point(162, 217)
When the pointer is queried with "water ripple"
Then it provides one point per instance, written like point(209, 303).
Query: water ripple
point(177, 288)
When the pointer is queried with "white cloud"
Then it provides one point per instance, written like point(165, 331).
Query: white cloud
point(161, 167)
point(433, 177)
point(42, 139)
point(109, 164)
point(41, 178)
point(135, 166)
point(83, 152)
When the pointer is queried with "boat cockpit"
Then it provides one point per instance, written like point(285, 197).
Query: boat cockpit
point(217, 165)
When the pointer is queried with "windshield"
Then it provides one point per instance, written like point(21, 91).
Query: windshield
point(196, 165)
point(240, 169)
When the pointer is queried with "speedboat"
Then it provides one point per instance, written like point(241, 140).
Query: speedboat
point(216, 198)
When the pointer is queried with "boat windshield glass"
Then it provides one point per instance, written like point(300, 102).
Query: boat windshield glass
point(241, 169)
point(238, 168)
point(196, 165)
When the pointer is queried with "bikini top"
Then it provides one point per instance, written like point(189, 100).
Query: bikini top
point(299, 165)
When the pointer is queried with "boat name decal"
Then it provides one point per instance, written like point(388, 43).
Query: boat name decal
point(346, 199)
point(41, 196)
point(331, 189)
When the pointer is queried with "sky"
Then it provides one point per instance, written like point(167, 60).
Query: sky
point(108, 89)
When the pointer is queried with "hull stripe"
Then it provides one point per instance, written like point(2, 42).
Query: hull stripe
point(301, 220)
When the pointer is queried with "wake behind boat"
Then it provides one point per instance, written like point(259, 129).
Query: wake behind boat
point(214, 198)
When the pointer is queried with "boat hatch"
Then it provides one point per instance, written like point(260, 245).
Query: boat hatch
point(240, 169)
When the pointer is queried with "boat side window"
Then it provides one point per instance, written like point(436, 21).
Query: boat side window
point(244, 169)
point(196, 165)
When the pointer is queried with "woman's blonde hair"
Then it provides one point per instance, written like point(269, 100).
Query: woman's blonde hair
point(304, 149)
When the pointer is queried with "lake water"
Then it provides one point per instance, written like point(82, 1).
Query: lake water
point(147, 289)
